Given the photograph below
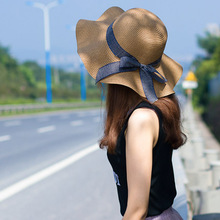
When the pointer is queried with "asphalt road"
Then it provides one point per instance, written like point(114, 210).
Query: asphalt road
point(48, 169)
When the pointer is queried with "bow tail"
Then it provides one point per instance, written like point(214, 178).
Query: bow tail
point(148, 86)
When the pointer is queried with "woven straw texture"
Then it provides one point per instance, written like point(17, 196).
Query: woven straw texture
point(140, 33)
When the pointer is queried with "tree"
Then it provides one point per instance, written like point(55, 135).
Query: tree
point(27, 80)
point(206, 67)
point(209, 43)
point(38, 71)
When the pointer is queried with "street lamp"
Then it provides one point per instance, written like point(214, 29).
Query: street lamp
point(45, 8)
point(83, 81)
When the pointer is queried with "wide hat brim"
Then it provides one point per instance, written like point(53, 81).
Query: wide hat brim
point(95, 53)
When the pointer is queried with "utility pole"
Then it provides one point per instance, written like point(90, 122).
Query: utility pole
point(45, 8)
point(83, 81)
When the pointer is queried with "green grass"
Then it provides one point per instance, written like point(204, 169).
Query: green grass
point(20, 101)
point(79, 105)
point(5, 114)
point(16, 101)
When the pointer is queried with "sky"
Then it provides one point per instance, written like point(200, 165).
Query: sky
point(21, 26)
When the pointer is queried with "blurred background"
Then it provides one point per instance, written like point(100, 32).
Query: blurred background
point(40, 71)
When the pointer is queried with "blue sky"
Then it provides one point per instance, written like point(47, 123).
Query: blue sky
point(21, 26)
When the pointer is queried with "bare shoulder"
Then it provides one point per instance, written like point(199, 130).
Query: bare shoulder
point(143, 123)
point(143, 117)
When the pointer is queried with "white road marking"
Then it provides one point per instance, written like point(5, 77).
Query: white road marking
point(76, 123)
point(35, 178)
point(46, 129)
point(96, 119)
point(5, 138)
point(12, 123)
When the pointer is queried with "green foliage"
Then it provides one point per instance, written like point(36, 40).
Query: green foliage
point(211, 114)
point(205, 71)
point(38, 71)
point(28, 75)
point(209, 43)
point(26, 81)
point(13, 82)
point(206, 67)
point(6, 59)
point(69, 80)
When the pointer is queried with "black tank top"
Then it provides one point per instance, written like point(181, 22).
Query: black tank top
point(162, 189)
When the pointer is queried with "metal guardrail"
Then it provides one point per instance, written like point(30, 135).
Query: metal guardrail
point(202, 167)
point(45, 106)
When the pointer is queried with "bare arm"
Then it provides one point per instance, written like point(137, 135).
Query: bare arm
point(141, 137)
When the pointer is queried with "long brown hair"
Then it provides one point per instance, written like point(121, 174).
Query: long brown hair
point(120, 99)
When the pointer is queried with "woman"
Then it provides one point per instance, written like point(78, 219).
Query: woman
point(125, 50)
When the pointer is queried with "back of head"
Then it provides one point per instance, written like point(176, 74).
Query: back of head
point(121, 100)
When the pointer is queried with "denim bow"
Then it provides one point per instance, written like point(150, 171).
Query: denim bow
point(129, 63)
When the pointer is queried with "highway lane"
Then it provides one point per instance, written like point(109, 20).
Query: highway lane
point(28, 149)
point(81, 190)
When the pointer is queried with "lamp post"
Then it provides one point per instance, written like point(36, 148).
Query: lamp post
point(83, 81)
point(45, 9)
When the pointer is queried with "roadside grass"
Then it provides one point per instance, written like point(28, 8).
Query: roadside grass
point(20, 101)
point(89, 104)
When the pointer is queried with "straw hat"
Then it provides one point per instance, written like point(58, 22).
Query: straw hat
point(142, 35)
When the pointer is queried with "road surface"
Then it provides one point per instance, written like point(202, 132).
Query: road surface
point(51, 168)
